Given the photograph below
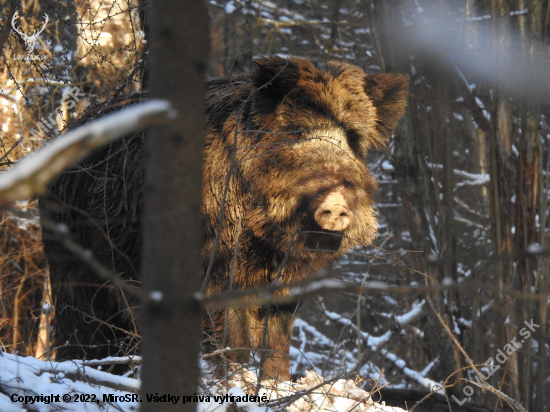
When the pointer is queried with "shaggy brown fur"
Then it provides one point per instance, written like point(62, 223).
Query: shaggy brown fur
point(293, 135)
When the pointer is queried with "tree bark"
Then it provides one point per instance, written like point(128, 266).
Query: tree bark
point(172, 232)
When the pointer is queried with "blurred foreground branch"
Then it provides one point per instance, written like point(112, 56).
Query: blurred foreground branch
point(441, 41)
point(31, 175)
point(303, 290)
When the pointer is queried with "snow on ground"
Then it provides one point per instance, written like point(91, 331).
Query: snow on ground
point(29, 384)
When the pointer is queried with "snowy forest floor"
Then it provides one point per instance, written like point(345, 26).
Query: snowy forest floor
point(28, 384)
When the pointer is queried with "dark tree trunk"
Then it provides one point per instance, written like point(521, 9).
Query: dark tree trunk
point(172, 212)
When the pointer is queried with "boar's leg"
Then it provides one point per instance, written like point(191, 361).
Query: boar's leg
point(268, 330)
point(276, 361)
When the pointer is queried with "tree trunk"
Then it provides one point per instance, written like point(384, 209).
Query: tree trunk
point(172, 232)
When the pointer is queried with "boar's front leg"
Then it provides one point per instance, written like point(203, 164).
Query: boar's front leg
point(267, 330)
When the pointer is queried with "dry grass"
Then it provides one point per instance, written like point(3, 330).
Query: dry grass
point(22, 282)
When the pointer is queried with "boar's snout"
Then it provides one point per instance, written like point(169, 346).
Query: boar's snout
point(334, 213)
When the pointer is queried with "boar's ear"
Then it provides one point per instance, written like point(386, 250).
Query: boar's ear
point(388, 93)
point(274, 78)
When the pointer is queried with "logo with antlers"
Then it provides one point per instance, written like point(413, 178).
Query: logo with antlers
point(29, 38)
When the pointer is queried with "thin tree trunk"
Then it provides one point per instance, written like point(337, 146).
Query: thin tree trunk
point(334, 27)
point(172, 232)
point(528, 184)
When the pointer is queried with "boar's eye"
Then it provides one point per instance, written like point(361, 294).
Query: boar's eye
point(353, 136)
point(299, 134)
point(353, 139)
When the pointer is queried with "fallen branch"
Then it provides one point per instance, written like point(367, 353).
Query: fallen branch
point(22, 375)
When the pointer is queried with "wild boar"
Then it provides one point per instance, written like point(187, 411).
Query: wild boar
point(285, 156)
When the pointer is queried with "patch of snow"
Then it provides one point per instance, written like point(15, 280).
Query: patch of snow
point(230, 7)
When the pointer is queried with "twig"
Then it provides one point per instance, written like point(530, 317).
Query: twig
point(483, 384)
point(287, 400)
point(119, 360)
point(85, 256)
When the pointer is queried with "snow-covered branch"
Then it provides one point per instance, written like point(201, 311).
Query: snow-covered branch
point(27, 376)
point(31, 175)
point(375, 343)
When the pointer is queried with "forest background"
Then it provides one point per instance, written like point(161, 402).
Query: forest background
point(461, 260)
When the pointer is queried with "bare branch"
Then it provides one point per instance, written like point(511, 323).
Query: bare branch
point(314, 287)
point(85, 256)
